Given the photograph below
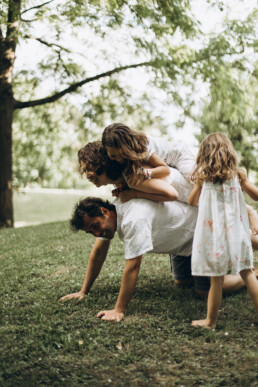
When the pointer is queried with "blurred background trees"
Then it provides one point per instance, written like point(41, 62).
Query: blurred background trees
point(232, 108)
point(81, 65)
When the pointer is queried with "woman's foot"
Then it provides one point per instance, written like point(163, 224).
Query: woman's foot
point(204, 324)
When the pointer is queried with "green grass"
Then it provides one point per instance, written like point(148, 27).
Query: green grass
point(47, 342)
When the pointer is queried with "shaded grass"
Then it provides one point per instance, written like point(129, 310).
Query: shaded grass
point(47, 342)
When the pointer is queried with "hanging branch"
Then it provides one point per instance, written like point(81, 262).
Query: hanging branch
point(48, 44)
point(36, 7)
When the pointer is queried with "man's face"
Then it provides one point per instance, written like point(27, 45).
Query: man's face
point(98, 180)
point(101, 226)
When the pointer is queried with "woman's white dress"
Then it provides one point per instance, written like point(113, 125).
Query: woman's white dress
point(222, 242)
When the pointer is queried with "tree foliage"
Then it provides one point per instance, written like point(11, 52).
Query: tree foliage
point(91, 49)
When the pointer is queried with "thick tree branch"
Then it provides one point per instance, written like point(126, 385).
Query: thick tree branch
point(21, 105)
point(36, 7)
point(75, 86)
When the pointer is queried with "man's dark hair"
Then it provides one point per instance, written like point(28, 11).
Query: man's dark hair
point(90, 206)
point(94, 155)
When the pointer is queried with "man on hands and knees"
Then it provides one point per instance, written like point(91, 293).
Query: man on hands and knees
point(144, 226)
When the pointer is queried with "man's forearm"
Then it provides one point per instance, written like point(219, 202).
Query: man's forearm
point(128, 283)
point(96, 260)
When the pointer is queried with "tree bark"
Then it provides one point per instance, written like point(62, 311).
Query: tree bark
point(6, 118)
point(7, 57)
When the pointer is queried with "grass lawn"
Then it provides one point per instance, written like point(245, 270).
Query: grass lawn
point(47, 342)
point(31, 208)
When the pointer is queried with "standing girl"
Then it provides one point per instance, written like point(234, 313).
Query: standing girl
point(146, 160)
point(221, 240)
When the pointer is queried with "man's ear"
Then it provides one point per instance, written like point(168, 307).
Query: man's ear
point(105, 212)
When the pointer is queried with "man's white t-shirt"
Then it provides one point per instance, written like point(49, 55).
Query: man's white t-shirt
point(146, 226)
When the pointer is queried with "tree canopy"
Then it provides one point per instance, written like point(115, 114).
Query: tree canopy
point(87, 52)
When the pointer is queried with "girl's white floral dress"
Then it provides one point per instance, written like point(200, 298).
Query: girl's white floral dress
point(222, 242)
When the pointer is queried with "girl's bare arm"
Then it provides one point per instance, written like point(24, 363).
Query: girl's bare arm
point(250, 189)
point(195, 194)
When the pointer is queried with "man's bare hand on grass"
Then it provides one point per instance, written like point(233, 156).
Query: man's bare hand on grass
point(111, 315)
point(77, 296)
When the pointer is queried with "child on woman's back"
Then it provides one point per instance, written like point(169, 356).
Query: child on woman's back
point(144, 169)
point(221, 240)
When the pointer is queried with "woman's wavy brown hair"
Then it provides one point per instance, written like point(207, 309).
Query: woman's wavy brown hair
point(133, 147)
point(216, 160)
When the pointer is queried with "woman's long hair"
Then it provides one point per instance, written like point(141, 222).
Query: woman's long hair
point(133, 147)
point(216, 160)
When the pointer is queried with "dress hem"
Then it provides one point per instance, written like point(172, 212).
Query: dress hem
point(220, 274)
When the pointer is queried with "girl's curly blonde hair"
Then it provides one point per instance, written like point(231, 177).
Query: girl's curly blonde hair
point(133, 147)
point(216, 160)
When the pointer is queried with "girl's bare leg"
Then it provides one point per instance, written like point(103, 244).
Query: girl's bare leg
point(251, 284)
point(214, 301)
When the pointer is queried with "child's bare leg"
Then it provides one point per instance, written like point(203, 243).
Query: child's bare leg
point(251, 284)
point(214, 301)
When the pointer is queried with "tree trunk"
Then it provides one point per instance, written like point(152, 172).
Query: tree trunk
point(6, 118)
point(7, 57)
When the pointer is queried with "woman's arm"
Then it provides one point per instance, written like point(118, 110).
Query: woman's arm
point(159, 169)
point(153, 189)
point(195, 194)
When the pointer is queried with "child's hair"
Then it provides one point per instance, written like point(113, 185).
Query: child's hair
point(133, 147)
point(216, 160)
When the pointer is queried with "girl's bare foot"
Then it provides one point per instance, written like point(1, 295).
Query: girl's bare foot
point(203, 324)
